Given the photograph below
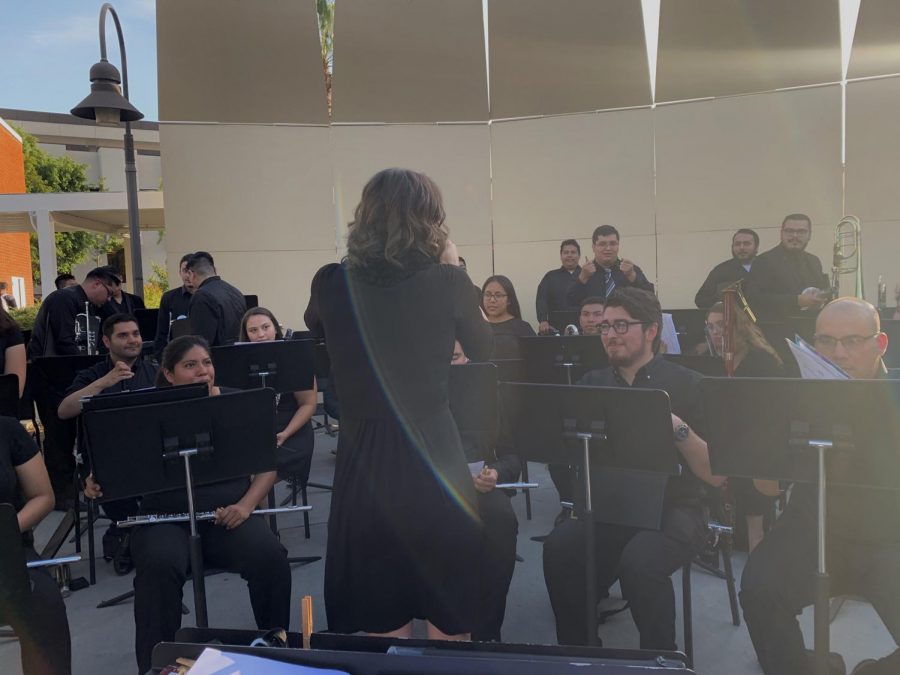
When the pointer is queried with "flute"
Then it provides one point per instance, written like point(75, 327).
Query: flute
point(154, 519)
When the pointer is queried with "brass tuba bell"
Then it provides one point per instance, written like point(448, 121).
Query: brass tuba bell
point(847, 258)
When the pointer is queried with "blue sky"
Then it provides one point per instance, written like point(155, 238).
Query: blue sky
point(47, 48)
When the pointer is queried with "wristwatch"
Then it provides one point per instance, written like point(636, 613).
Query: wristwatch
point(682, 432)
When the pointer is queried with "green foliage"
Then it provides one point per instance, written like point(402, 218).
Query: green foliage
point(25, 316)
point(156, 286)
point(325, 10)
point(160, 276)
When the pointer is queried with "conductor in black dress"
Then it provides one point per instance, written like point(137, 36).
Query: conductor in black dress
point(404, 538)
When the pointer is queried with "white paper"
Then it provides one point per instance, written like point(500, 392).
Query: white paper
point(814, 366)
point(215, 662)
point(475, 468)
point(670, 335)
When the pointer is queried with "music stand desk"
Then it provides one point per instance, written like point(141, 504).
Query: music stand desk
point(815, 431)
point(622, 443)
point(182, 444)
point(561, 359)
point(284, 365)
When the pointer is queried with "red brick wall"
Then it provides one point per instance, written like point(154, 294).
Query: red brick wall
point(15, 252)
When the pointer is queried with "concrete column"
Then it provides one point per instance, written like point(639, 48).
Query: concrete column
point(46, 232)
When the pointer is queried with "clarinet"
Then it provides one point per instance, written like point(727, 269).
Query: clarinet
point(155, 519)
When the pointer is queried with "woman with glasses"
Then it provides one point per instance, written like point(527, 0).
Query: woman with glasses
point(753, 357)
point(501, 307)
point(404, 538)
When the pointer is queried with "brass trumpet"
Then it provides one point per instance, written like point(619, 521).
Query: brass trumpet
point(847, 258)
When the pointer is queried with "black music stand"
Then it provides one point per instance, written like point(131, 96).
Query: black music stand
point(816, 431)
point(283, 365)
point(622, 443)
point(709, 366)
point(561, 359)
point(510, 370)
point(473, 402)
point(182, 444)
point(147, 320)
point(9, 395)
point(559, 319)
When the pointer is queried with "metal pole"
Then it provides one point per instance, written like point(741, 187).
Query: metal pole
point(131, 185)
point(822, 614)
point(590, 577)
point(196, 546)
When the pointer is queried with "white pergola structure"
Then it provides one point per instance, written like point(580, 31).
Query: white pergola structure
point(99, 212)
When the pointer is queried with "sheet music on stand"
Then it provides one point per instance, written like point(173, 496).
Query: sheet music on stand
point(813, 366)
point(670, 335)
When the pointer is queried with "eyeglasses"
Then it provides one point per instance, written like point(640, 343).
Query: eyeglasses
point(621, 326)
point(792, 232)
point(850, 342)
point(494, 296)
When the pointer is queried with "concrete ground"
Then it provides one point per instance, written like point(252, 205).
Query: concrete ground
point(102, 639)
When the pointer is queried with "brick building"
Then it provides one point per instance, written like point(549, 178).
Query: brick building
point(15, 251)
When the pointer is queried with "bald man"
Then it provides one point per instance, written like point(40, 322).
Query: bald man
point(863, 537)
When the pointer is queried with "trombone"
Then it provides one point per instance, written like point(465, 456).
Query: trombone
point(847, 257)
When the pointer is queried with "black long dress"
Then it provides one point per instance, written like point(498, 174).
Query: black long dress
point(404, 539)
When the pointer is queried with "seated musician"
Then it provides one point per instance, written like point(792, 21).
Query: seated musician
point(500, 524)
point(235, 541)
point(41, 626)
point(863, 540)
point(122, 370)
point(642, 560)
point(501, 309)
point(590, 315)
point(294, 436)
point(753, 357)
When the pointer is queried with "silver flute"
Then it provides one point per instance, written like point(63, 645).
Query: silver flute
point(155, 519)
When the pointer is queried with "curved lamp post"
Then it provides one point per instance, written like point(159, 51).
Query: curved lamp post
point(108, 107)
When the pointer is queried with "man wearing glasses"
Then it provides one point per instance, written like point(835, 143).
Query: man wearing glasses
point(54, 335)
point(642, 560)
point(606, 272)
point(863, 539)
point(786, 280)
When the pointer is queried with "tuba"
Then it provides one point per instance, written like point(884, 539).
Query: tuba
point(847, 258)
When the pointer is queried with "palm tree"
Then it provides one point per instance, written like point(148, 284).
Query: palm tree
point(325, 10)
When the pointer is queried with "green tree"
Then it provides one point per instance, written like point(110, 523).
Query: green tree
point(46, 173)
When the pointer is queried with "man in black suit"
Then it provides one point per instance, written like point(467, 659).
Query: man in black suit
point(744, 247)
point(606, 272)
point(173, 305)
point(786, 279)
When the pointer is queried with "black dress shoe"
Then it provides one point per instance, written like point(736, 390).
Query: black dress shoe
point(865, 667)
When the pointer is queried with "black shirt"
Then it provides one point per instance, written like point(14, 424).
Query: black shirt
point(10, 338)
point(54, 326)
point(722, 275)
point(144, 377)
point(552, 291)
point(777, 277)
point(759, 363)
point(16, 448)
point(173, 305)
point(596, 285)
point(684, 395)
point(506, 338)
point(130, 302)
point(216, 311)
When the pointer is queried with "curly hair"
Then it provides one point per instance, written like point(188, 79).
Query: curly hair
point(746, 332)
point(399, 219)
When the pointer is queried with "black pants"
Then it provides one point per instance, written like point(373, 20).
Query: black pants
point(41, 626)
point(59, 436)
point(642, 560)
point(563, 477)
point(501, 529)
point(779, 581)
point(162, 561)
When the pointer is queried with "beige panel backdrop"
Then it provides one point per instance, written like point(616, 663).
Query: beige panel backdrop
point(723, 47)
point(401, 61)
point(560, 177)
point(545, 60)
point(873, 164)
point(239, 61)
point(249, 192)
point(748, 161)
point(456, 156)
point(876, 43)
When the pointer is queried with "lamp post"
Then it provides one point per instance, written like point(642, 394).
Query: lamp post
point(108, 107)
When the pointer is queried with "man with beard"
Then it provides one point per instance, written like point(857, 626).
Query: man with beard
point(643, 560)
point(744, 247)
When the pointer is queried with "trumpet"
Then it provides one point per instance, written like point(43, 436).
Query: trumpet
point(87, 326)
point(847, 257)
